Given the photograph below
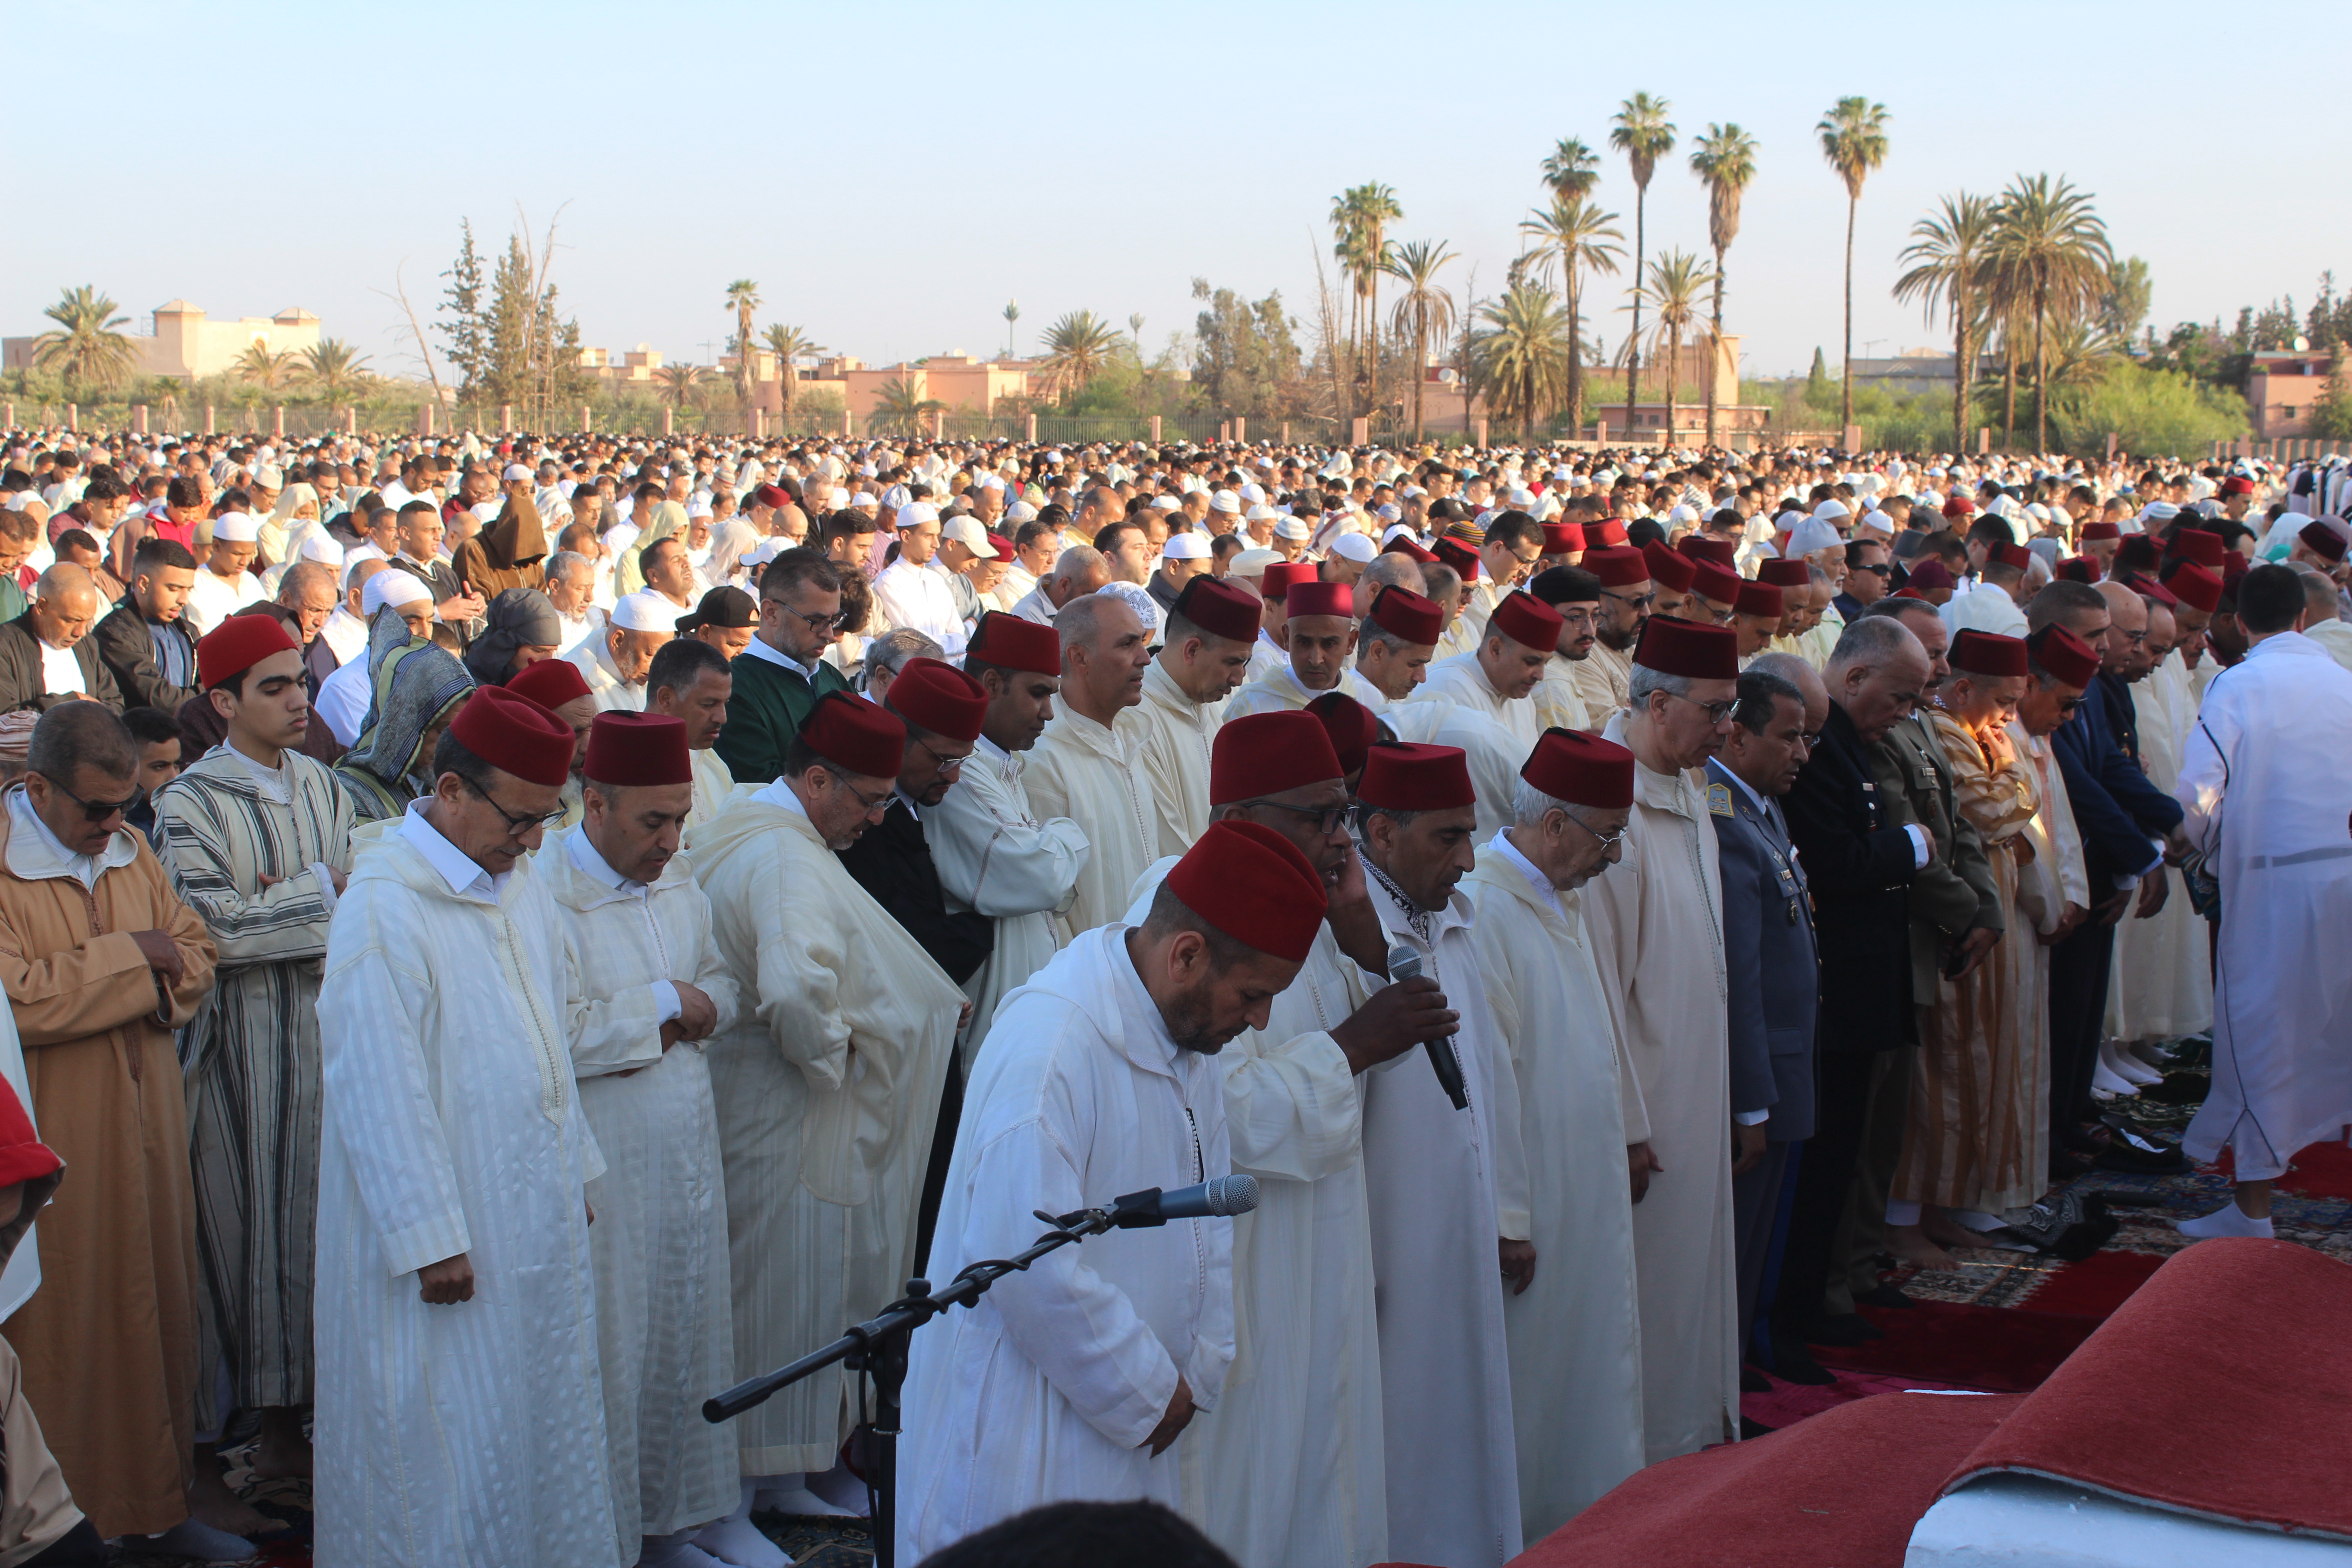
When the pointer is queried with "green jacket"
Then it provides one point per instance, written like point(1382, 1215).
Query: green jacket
point(765, 713)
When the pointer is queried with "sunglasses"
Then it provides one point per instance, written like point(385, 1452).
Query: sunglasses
point(96, 810)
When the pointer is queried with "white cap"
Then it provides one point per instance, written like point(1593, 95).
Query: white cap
point(1225, 501)
point(1020, 511)
point(1252, 563)
point(1253, 492)
point(1165, 503)
point(1186, 546)
point(488, 510)
point(268, 476)
point(1521, 500)
point(516, 471)
point(1355, 547)
point(699, 507)
point(864, 498)
point(1263, 513)
point(1396, 531)
point(1810, 535)
point(991, 481)
point(236, 527)
point(1831, 509)
point(393, 587)
point(321, 547)
point(1290, 528)
point(641, 612)
point(966, 532)
point(916, 514)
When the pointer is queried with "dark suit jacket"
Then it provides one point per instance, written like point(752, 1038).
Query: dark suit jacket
point(1770, 958)
point(21, 682)
point(1953, 892)
point(1859, 862)
point(2116, 806)
point(893, 863)
point(126, 644)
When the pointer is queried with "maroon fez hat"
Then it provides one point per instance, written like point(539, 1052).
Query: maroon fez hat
point(1720, 583)
point(1220, 609)
point(551, 683)
point(1275, 584)
point(1988, 653)
point(1759, 599)
point(2099, 528)
point(237, 645)
point(1405, 545)
point(851, 732)
point(2322, 540)
point(1580, 769)
point(938, 697)
point(2078, 569)
point(1350, 726)
point(2195, 586)
point(1401, 613)
point(1320, 599)
point(2063, 657)
point(1617, 566)
point(1667, 568)
point(639, 749)
point(515, 735)
point(1562, 538)
point(1253, 884)
point(1783, 574)
point(2198, 545)
point(1402, 776)
point(1459, 555)
point(1689, 649)
point(1724, 553)
point(1009, 642)
point(1525, 620)
point(1260, 755)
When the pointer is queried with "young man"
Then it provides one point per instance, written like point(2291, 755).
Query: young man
point(143, 642)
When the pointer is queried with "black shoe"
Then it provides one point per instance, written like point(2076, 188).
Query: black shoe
point(1882, 1295)
point(2133, 1150)
point(2179, 1088)
point(1753, 1382)
point(1842, 1328)
point(1792, 1362)
point(2088, 1142)
point(1751, 1430)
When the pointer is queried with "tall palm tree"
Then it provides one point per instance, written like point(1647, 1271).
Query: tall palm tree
point(1725, 158)
point(743, 299)
point(257, 366)
point(85, 351)
point(1853, 139)
point(1644, 135)
point(1079, 348)
point(789, 344)
point(1577, 235)
point(1361, 217)
point(680, 381)
point(1424, 310)
point(1571, 169)
point(1677, 282)
point(899, 409)
point(2054, 245)
point(1012, 315)
point(334, 369)
point(1518, 357)
point(1948, 258)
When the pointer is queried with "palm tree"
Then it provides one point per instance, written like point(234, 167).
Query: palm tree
point(1948, 257)
point(1644, 135)
point(334, 369)
point(1571, 169)
point(678, 382)
point(1360, 217)
point(789, 344)
point(1424, 310)
point(2054, 247)
point(1576, 234)
point(899, 409)
point(86, 351)
point(1726, 159)
point(1519, 358)
point(1853, 139)
point(257, 366)
point(1677, 282)
point(743, 299)
point(1012, 315)
point(1079, 348)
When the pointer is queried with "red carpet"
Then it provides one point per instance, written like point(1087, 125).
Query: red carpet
point(2006, 1350)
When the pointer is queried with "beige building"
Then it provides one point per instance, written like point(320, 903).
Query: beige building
point(2281, 389)
point(181, 342)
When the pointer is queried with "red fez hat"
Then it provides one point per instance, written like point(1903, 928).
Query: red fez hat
point(2099, 528)
point(1525, 620)
point(1404, 613)
point(1958, 506)
point(23, 1156)
point(2237, 485)
point(1281, 574)
point(1348, 724)
point(1610, 531)
point(2148, 588)
point(1009, 642)
point(1002, 546)
point(1617, 566)
point(1459, 555)
point(2201, 545)
point(2078, 569)
point(1785, 573)
point(2063, 657)
point(1759, 599)
point(1698, 547)
point(551, 683)
point(639, 749)
point(938, 697)
point(1687, 649)
point(1253, 884)
point(1909, 593)
point(1667, 568)
point(1931, 574)
point(1404, 545)
point(1988, 653)
point(1720, 583)
point(2016, 556)
point(1401, 775)
point(515, 735)
point(771, 495)
point(853, 733)
point(2195, 586)
point(1580, 769)
point(2322, 540)
point(2139, 552)
point(1220, 609)
point(1562, 538)
point(1266, 754)
point(1313, 598)
point(237, 645)
point(2234, 565)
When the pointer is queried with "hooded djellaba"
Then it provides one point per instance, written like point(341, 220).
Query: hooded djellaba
point(516, 619)
point(414, 688)
point(511, 552)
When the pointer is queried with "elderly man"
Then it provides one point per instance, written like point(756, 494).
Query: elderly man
point(995, 855)
point(1076, 1379)
point(1657, 939)
point(1576, 1379)
point(1089, 764)
point(571, 589)
point(781, 671)
point(1076, 571)
point(1393, 649)
point(828, 1085)
point(691, 681)
point(142, 642)
point(47, 654)
point(615, 663)
point(455, 1281)
point(637, 1014)
point(1317, 635)
point(1203, 656)
point(1497, 681)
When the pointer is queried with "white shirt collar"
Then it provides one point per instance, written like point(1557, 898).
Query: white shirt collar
point(456, 866)
point(780, 794)
point(1509, 851)
point(35, 853)
point(593, 864)
point(759, 648)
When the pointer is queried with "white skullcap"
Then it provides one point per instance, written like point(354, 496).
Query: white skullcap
point(1225, 501)
point(992, 481)
point(1355, 547)
point(488, 510)
point(916, 514)
point(1810, 535)
point(1683, 514)
point(1521, 500)
point(1254, 562)
point(395, 587)
point(641, 612)
point(1165, 503)
point(1388, 513)
point(699, 507)
point(1396, 531)
point(1021, 511)
point(1290, 528)
point(268, 476)
point(1831, 509)
point(864, 498)
point(1253, 492)
point(517, 471)
point(322, 548)
point(236, 527)
point(1186, 546)
point(1263, 513)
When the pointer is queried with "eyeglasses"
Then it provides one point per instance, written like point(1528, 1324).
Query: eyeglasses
point(883, 799)
point(96, 810)
point(815, 623)
point(1607, 840)
point(1641, 603)
point(516, 826)
point(1882, 569)
point(945, 765)
point(1716, 712)
point(1327, 820)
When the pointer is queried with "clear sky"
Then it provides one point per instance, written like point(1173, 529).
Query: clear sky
point(892, 174)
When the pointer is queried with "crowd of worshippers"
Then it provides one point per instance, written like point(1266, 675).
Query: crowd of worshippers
point(505, 939)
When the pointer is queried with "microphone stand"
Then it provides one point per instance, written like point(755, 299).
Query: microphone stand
point(877, 1347)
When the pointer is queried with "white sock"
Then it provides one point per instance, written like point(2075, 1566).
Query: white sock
point(2227, 1220)
point(840, 1487)
point(193, 1538)
point(673, 1551)
point(2126, 1066)
point(1901, 1213)
point(2106, 1083)
point(737, 1540)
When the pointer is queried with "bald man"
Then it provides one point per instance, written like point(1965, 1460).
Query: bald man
point(47, 655)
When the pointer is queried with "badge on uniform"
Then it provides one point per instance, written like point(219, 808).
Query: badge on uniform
point(1718, 799)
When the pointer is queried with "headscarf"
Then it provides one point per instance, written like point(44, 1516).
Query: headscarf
point(515, 538)
point(729, 542)
point(629, 573)
point(281, 532)
point(412, 683)
point(516, 618)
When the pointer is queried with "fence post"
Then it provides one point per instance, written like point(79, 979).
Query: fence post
point(1852, 437)
point(2112, 439)
point(1482, 430)
point(139, 418)
point(585, 423)
point(848, 424)
point(1033, 429)
point(669, 421)
point(506, 417)
point(759, 422)
point(278, 422)
point(1241, 428)
point(1155, 429)
point(1359, 431)
point(11, 420)
point(1285, 432)
point(1984, 439)
point(1224, 432)
point(73, 417)
point(938, 426)
point(1600, 431)
point(351, 418)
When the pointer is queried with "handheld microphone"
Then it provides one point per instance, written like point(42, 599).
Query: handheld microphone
point(1220, 1197)
point(1404, 963)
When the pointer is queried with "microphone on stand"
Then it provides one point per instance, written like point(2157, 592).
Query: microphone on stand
point(1219, 1197)
point(1404, 965)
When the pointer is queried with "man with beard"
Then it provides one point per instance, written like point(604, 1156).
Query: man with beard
point(1208, 630)
point(1574, 594)
point(1626, 596)
point(1317, 632)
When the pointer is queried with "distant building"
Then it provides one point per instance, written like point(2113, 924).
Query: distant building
point(636, 364)
point(1915, 371)
point(180, 341)
point(2281, 388)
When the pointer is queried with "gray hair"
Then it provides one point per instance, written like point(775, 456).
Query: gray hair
point(1872, 640)
point(1079, 622)
point(1392, 569)
point(1647, 681)
point(894, 647)
point(1074, 562)
point(301, 575)
point(561, 563)
point(2319, 601)
point(1370, 632)
point(1530, 805)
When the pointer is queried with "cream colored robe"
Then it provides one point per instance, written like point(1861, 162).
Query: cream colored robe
point(712, 783)
point(1094, 775)
point(828, 1088)
point(1462, 681)
point(1658, 937)
point(1604, 681)
point(1177, 734)
point(2335, 636)
point(1279, 690)
point(2160, 985)
point(1559, 700)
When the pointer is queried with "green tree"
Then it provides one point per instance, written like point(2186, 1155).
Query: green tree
point(743, 299)
point(464, 333)
point(1079, 348)
point(1678, 280)
point(1518, 356)
point(1424, 310)
point(1725, 158)
point(1642, 132)
point(2053, 245)
point(1578, 237)
point(1243, 357)
point(257, 366)
point(1572, 170)
point(2123, 304)
point(1012, 317)
point(1819, 395)
point(680, 383)
point(85, 352)
point(1947, 260)
point(900, 410)
point(1853, 139)
point(2331, 416)
point(789, 344)
point(1359, 220)
point(334, 369)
